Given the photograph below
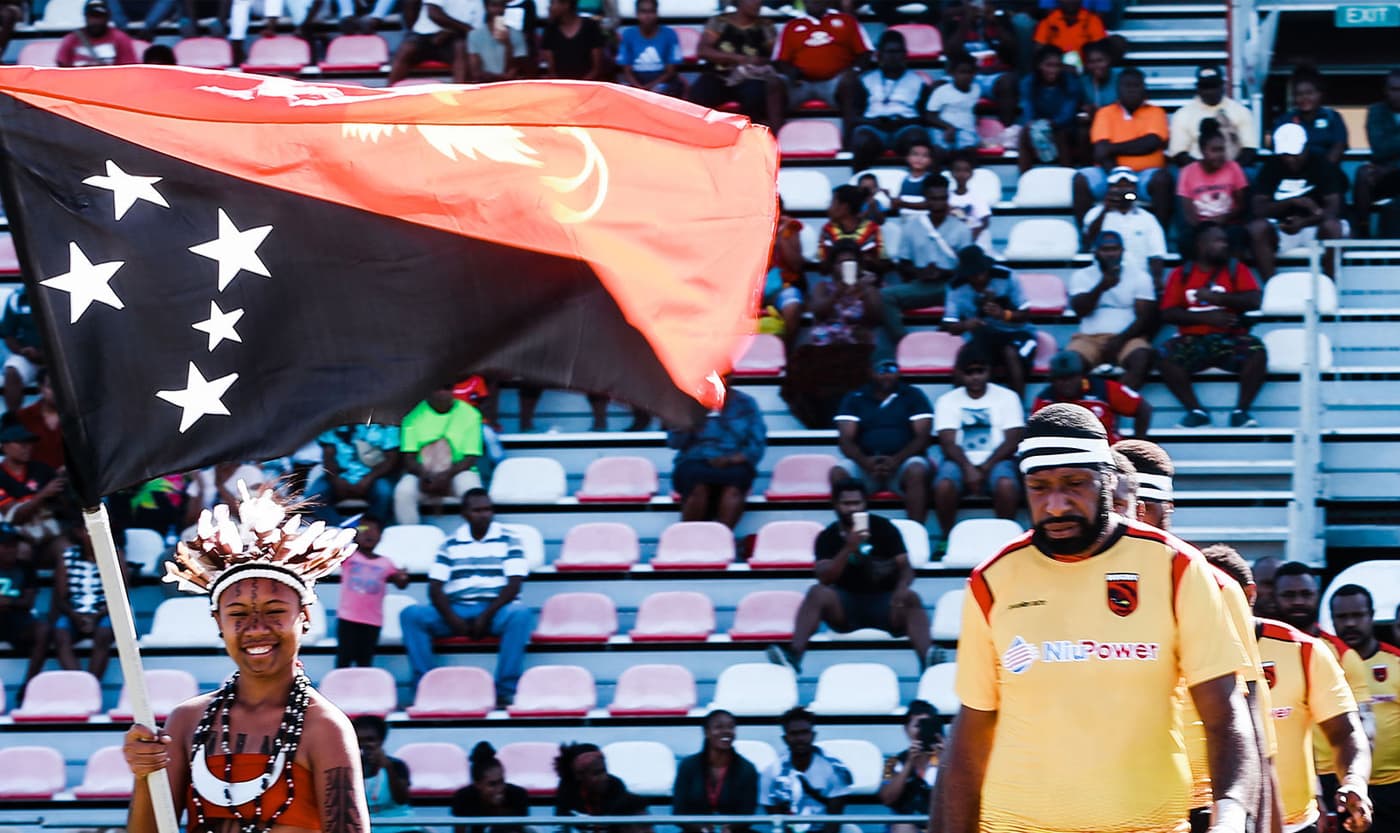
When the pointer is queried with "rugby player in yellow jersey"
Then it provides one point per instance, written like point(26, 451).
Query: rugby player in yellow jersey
point(1308, 689)
point(1353, 617)
point(1073, 640)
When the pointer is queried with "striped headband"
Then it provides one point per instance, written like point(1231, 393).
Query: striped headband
point(1053, 452)
point(1156, 487)
point(259, 569)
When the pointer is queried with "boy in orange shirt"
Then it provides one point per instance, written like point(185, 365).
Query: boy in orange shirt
point(1070, 27)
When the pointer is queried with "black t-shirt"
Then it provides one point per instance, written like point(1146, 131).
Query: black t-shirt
point(16, 486)
point(1317, 179)
point(467, 802)
point(573, 57)
point(14, 581)
point(874, 571)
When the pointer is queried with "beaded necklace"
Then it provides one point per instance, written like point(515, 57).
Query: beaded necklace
point(284, 747)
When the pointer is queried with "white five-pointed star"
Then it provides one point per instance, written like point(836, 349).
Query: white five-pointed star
point(219, 326)
point(86, 282)
point(127, 189)
point(201, 397)
point(235, 250)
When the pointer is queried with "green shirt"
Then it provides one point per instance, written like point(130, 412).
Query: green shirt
point(461, 425)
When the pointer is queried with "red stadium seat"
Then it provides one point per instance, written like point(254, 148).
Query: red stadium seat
point(38, 53)
point(530, 765)
point(355, 53)
point(206, 53)
point(689, 37)
point(928, 351)
point(618, 480)
point(435, 769)
point(1045, 349)
point(765, 616)
point(453, 691)
point(925, 312)
point(166, 687)
point(32, 773)
point(801, 477)
point(576, 617)
point(809, 139)
point(358, 691)
point(922, 41)
point(764, 355)
point(60, 697)
point(139, 47)
point(554, 691)
point(106, 775)
point(9, 260)
point(990, 131)
point(654, 691)
point(282, 54)
point(1045, 292)
point(785, 545)
point(694, 545)
point(675, 616)
point(599, 546)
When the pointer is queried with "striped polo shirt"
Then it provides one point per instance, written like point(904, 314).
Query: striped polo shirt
point(472, 569)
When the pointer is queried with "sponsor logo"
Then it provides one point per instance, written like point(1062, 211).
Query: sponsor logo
point(1085, 650)
point(1122, 592)
point(818, 38)
point(1281, 712)
point(1028, 603)
point(1271, 674)
point(1019, 656)
point(1380, 672)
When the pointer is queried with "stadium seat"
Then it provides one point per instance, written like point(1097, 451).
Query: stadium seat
point(531, 541)
point(947, 616)
point(990, 131)
point(1042, 238)
point(282, 54)
point(1287, 293)
point(856, 688)
point(599, 546)
point(1287, 348)
point(647, 767)
point(360, 691)
point(652, 691)
point(413, 547)
point(554, 691)
point(435, 769)
point(675, 616)
point(205, 53)
point(751, 689)
point(530, 765)
point(139, 46)
point(862, 758)
point(757, 752)
point(809, 238)
point(974, 540)
point(928, 351)
point(765, 616)
point(1044, 292)
point(694, 545)
point(144, 548)
point(916, 542)
point(34, 773)
point(9, 259)
point(165, 687)
point(801, 477)
point(803, 189)
point(936, 687)
point(785, 545)
point(984, 183)
point(618, 480)
point(38, 53)
point(453, 691)
point(1045, 349)
point(921, 40)
point(355, 53)
point(529, 480)
point(689, 38)
point(1050, 187)
point(60, 697)
point(809, 139)
point(1382, 578)
point(764, 355)
point(182, 623)
point(106, 775)
point(576, 617)
point(392, 631)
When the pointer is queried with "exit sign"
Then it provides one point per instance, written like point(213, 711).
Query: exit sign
point(1368, 16)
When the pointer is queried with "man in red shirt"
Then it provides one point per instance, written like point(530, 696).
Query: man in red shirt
point(1205, 300)
point(1104, 398)
point(817, 57)
point(98, 43)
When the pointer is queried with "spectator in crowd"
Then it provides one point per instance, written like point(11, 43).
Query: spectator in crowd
point(1132, 134)
point(364, 578)
point(978, 425)
point(386, 778)
point(1206, 300)
point(1297, 201)
point(31, 493)
point(1106, 399)
point(359, 462)
point(1353, 614)
point(438, 32)
point(716, 780)
point(496, 51)
point(650, 54)
point(489, 794)
point(1233, 120)
point(1213, 189)
point(780, 310)
point(967, 205)
point(736, 48)
point(98, 43)
point(1144, 240)
point(42, 419)
point(11, 14)
point(21, 333)
point(716, 463)
point(864, 580)
point(28, 634)
point(1125, 485)
point(1117, 309)
point(952, 107)
point(874, 199)
point(587, 789)
point(926, 258)
point(1049, 108)
point(987, 308)
point(1070, 27)
point(918, 163)
point(473, 590)
point(572, 45)
point(1378, 179)
point(888, 100)
point(883, 429)
point(1154, 471)
point(817, 55)
point(80, 605)
point(1099, 82)
point(988, 35)
point(906, 786)
point(440, 441)
point(1265, 569)
point(804, 781)
point(1325, 128)
point(845, 223)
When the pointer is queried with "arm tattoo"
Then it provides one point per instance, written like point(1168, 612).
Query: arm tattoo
point(340, 815)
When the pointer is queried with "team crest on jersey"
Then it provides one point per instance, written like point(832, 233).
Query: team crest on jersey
point(1122, 592)
point(1270, 674)
point(1380, 672)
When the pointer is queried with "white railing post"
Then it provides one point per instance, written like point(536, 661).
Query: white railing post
point(1306, 533)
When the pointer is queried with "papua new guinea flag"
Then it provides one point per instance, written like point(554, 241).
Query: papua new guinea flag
point(226, 264)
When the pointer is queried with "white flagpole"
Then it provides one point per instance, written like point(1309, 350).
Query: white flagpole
point(99, 529)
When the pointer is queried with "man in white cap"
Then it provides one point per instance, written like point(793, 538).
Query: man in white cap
point(1297, 201)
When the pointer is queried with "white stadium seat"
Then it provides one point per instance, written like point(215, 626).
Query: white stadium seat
point(804, 189)
point(1042, 238)
point(1287, 293)
point(183, 623)
point(411, 546)
point(862, 758)
point(947, 616)
point(755, 688)
point(1045, 188)
point(529, 480)
point(1382, 578)
point(974, 540)
point(1286, 350)
point(647, 767)
point(857, 688)
point(916, 544)
point(936, 687)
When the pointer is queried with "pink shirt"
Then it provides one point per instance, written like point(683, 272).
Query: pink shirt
point(113, 47)
point(1213, 195)
point(363, 580)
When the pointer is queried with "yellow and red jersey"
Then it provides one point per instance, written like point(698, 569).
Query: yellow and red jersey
point(1355, 670)
point(1383, 685)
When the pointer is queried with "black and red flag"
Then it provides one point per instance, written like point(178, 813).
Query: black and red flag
point(226, 264)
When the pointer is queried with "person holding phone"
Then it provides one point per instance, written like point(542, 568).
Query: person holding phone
point(907, 783)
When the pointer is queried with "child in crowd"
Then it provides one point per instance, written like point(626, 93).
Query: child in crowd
point(951, 107)
point(966, 204)
point(875, 199)
point(364, 579)
point(650, 54)
point(386, 778)
point(919, 161)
